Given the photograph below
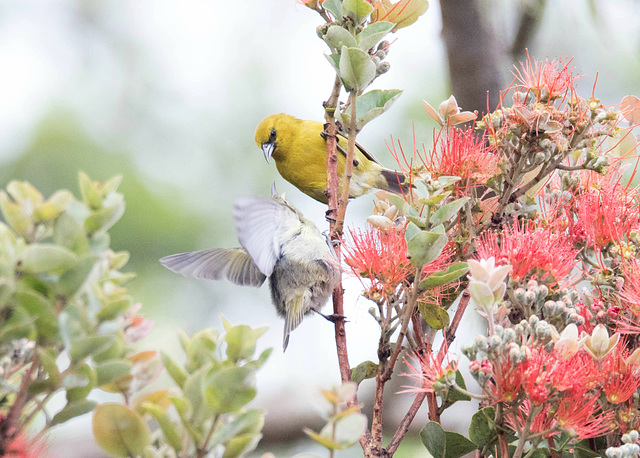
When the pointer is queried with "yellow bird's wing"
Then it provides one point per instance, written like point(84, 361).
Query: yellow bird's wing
point(342, 147)
point(260, 225)
point(234, 264)
point(293, 318)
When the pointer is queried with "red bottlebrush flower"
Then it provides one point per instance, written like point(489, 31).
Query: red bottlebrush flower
point(620, 380)
point(464, 155)
point(507, 379)
point(429, 369)
point(547, 374)
point(628, 318)
point(22, 447)
point(543, 421)
point(380, 256)
point(554, 77)
point(531, 249)
point(579, 416)
point(602, 212)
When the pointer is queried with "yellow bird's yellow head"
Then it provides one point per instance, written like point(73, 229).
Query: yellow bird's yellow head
point(275, 134)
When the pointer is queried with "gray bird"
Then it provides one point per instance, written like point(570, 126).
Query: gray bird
point(279, 243)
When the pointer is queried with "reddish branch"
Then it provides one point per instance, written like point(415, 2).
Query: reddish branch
point(8, 426)
point(332, 214)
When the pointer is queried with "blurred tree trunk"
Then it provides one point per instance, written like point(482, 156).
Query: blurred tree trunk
point(476, 57)
point(473, 54)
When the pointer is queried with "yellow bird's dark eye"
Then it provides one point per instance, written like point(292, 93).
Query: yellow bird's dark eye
point(272, 136)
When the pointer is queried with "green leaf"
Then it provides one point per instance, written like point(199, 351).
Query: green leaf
point(79, 383)
point(120, 431)
point(89, 191)
point(334, 60)
point(20, 324)
point(241, 445)
point(113, 351)
point(356, 68)
point(426, 246)
point(373, 33)
point(241, 341)
point(434, 315)
point(364, 370)
point(229, 389)
point(73, 279)
point(482, 430)
point(348, 429)
point(457, 445)
point(194, 391)
point(411, 231)
point(453, 272)
point(445, 213)
point(82, 347)
point(373, 103)
point(249, 422)
point(114, 309)
point(42, 309)
point(101, 220)
point(335, 8)
point(174, 369)
point(434, 439)
point(73, 409)
point(325, 441)
point(68, 232)
point(455, 395)
point(46, 257)
point(358, 10)
point(168, 428)
point(406, 12)
point(48, 361)
point(338, 36)
point(110, 371)
point(402, 205)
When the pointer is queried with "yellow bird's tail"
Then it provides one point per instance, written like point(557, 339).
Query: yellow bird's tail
point(395, 181)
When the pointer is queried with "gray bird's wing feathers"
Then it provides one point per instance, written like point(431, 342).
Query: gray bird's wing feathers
point(234, 264)
point(260, 224)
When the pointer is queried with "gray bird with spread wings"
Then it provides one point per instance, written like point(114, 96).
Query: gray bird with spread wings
point(279, 243)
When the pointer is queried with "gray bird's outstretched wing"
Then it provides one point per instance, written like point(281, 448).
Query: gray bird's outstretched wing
point(234, 264)
point(260, 225)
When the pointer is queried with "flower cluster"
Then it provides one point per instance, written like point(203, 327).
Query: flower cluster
point(533, 223)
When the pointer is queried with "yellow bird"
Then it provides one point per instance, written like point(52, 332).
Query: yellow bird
point(300, 153)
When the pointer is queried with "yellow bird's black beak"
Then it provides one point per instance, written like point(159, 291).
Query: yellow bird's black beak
point(267, 149)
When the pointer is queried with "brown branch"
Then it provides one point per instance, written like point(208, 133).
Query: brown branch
point(348, 167)
point(405, 423)
point(8, 426)
point(451, 332)
point(332, 198)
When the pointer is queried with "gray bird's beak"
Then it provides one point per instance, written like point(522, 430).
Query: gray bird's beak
point(267, 149)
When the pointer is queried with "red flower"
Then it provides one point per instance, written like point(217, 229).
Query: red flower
point(531, 249)
point(554, 77)
point(464, 155)
point(602, 212)
point(579, 416)
point(428, 369)
point(548, 374)
point(21, 447)
point(380, 256)
point(620, 380)
point(507, 379)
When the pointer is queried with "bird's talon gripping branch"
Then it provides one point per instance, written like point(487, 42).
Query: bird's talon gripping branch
point(334, 317)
